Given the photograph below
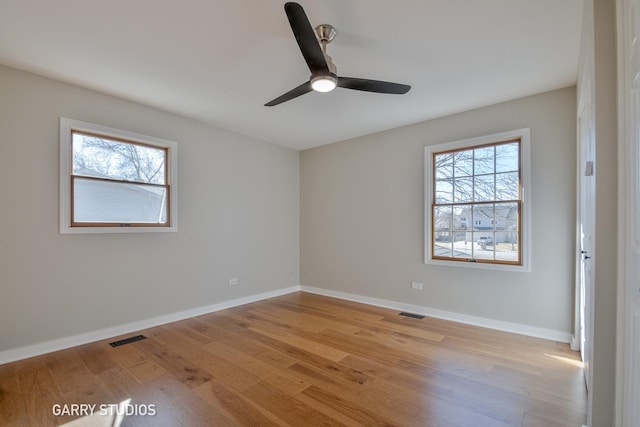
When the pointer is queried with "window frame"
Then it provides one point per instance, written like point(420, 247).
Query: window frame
point(525, 200)
point(70, 126)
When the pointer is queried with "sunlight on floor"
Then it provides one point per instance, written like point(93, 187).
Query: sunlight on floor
point(572, 362)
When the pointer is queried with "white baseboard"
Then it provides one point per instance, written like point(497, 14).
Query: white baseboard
point(80, 339)
point(499, 325)
point(76, 340)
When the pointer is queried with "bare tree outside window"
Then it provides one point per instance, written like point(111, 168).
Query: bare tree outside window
point(95, 156)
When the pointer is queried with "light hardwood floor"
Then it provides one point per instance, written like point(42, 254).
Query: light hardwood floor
point(306, 360)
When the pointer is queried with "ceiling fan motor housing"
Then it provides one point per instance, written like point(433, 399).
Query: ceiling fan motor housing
point(325, 33)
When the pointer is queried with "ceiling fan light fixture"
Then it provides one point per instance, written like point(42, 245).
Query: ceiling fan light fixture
point(324, 83)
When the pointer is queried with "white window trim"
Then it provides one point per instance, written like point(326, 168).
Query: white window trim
point(525, 166)
point(66, 126)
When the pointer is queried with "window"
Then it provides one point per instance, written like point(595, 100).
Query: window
point(485, 180)
point(115, 181)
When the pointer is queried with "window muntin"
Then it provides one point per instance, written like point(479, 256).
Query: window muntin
point(115, 181)
point(476, 209)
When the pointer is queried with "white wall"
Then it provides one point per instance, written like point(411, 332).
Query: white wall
point(238, 216)
point(362, 217)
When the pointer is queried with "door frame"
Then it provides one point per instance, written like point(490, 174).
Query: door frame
point(585, 238)
point(585, 117)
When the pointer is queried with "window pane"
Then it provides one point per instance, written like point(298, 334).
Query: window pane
point(461, 217)
point(507, 186)
point(507, 156)
point(508, 251)
point(444, 191)
point(483, 159)
point(463, 163)
point(443, 165)
point(484, 188)
point(507, 233)
point(442, 216)
point(115, 202)
point(442, 246)
point(462, 245)
point(483, 251)
point(483, 217)
point(104, 158)
point(463, 190)
point(507, 217)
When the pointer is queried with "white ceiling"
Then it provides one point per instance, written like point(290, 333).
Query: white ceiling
point(220, 61)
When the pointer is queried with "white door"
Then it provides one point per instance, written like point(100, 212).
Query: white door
point(586, 229)
point(629, 301)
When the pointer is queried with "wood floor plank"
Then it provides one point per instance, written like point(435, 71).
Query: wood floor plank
point(228, 373)
point(284, 318)
point(455, 395)
point(305, 359)
point(346, 310)
point(237, 408)
point(96, 358)
point(206, 329)
point(349, 409)
point(304, 343)
point(142, 367)
point(353, 344)
point(307, 321)
point(277, 377)
point(360, 387)
point(287, 408)
point(330, 410)
point(244, 335)
point(12, 402)
point(179, 367)
point(366, 397)
point(39, 389)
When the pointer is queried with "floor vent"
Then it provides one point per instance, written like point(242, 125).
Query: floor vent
point(127, 341)
point(413, 316)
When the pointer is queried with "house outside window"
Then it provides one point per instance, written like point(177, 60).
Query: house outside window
point(485, 180)
point(115, 181)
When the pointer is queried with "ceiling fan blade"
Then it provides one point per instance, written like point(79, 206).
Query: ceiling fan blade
point(306, 38)
point(373, 85)
point(293, 93)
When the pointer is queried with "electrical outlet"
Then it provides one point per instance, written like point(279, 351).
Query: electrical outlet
point(416, 285)
point(233, 281)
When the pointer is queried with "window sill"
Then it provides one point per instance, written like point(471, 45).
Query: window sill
point(479, 265)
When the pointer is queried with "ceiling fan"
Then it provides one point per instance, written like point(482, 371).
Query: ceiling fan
point(324, 77)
